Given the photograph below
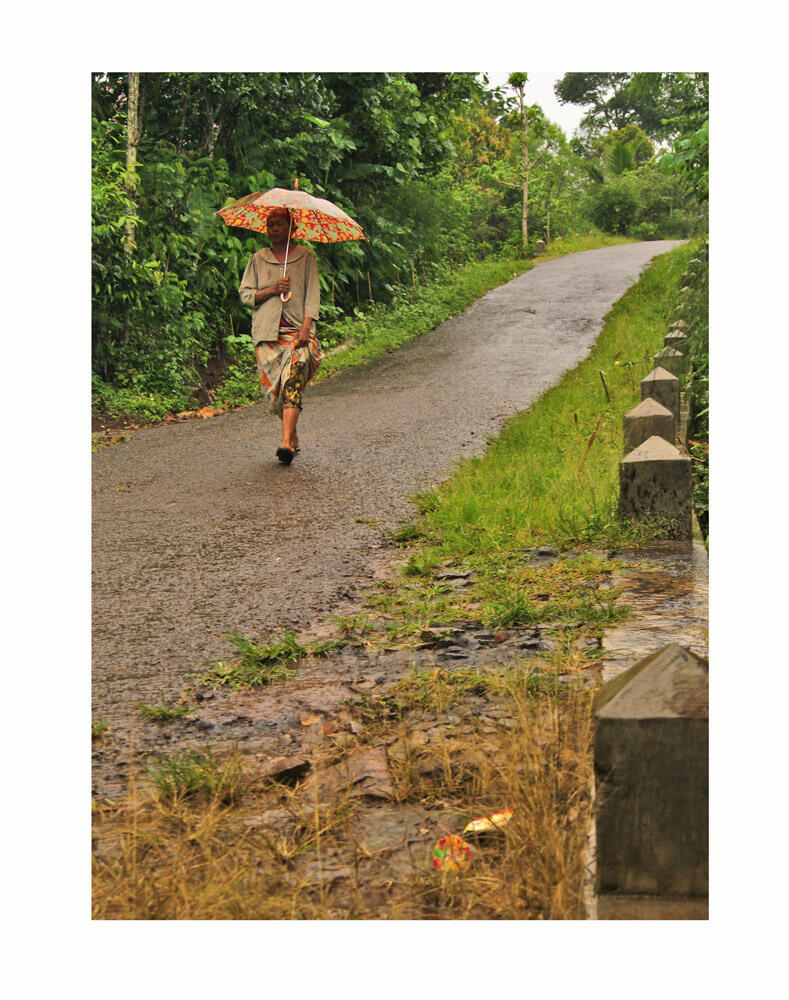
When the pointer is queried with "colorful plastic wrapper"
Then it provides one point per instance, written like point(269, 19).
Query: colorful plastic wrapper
point(487, 824)
point(451, 854)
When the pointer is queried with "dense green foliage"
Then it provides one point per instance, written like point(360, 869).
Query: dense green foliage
point(657, 102)
point(637, 190)
point(693, 311)
point(689, 159)
point(429, 163)
point(365, 141)
point(646, 203)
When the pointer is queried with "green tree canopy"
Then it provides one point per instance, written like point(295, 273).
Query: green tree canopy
point(657, 102)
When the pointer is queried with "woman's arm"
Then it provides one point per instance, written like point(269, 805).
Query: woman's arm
point(312, 298)
point(251, 295)
point(312, 288)
point(282, 285)
point(249, 285)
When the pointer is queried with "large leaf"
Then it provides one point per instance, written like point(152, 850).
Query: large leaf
point(619, 158)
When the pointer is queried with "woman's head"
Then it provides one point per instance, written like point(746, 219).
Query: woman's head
point(278, 225)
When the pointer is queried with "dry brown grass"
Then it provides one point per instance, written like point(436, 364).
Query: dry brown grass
point(165, 857)
point(535, 868)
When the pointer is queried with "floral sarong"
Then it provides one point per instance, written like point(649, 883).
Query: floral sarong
point(284, 369)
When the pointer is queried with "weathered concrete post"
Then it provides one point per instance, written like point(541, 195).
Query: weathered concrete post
point(664, 387)
point(645, 421)
point(671, 360)
point(651, 764)
point(539, 247)
point(655, 487)
point(676, 340)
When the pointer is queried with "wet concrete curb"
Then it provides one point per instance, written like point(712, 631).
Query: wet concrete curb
point(670, 621)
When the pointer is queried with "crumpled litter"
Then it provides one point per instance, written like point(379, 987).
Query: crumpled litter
point(451, 853)
point(489, 824)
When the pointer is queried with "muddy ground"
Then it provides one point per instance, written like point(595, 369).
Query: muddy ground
point(341, 741)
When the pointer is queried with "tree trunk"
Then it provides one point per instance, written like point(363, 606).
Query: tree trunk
point(133, 133)
point(215, 129)
point(526, 170)
point(211, 130)
point(184, 108)
point(549, 191)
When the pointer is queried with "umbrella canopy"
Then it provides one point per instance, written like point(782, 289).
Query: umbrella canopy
point(313, 218)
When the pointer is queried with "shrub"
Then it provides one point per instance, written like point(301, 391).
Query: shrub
point(614, 207)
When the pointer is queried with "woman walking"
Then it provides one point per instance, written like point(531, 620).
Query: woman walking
point(285, 309)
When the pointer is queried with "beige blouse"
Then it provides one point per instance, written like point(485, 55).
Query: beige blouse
point(262, 271)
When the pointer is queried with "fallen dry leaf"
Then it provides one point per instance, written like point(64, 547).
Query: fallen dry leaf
point(310, 720)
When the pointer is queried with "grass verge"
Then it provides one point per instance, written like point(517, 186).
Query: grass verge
point(197, 775)
point(576, 244)
point(98, 729)
point(213, 842)
point(259, 665)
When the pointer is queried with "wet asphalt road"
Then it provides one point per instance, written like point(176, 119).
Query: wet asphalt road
point(199, 531)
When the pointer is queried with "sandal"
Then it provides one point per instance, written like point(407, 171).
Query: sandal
point(285, 455)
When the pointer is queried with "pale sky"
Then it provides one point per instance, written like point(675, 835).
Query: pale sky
point(539, 90)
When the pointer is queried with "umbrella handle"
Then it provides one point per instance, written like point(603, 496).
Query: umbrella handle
point(282, 295)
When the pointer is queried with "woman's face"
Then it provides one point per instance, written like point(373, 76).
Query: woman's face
point(277, 226)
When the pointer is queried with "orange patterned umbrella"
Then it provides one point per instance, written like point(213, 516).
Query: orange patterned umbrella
point(314, 218)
